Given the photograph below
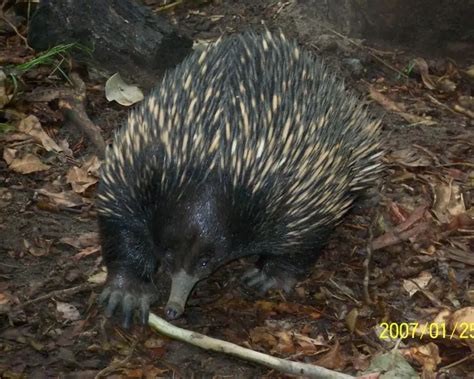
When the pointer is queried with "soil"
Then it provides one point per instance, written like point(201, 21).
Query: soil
point(39, 338)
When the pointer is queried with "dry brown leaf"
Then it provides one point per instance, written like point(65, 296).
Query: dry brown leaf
point(4, 97)
point(285, 343)
point(38, 247)
point(261, 336)
point(4, 299)
point(9, 155)
point(414, 285)
point(98, 278)
point(68, 199)
point(68, 311)
point(334, 359)
point(410, 157)
point(462, 323)
point(28, 164)
point(432, 82)
point(448, 202)
point(290, 308)
point(84, 240)
point(470, 71)
point(462, 252)
point(64, 145)
point(398, 108)
point(85, 176)
point(421, 67)
point(427, 356)
point(308, 345)
point(31, 126)
point(87, 251)
point(467, 112)
point(351, 319)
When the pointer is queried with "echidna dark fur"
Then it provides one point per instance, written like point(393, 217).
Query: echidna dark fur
point(250, 147)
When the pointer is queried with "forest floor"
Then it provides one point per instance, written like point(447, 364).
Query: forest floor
point(404, 256)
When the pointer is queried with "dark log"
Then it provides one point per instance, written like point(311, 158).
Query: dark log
point(124, 36)
point(441, 24)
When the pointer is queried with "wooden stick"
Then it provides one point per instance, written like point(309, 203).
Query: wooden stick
point(209, 343)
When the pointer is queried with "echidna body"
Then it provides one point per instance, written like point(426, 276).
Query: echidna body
point(250, 147)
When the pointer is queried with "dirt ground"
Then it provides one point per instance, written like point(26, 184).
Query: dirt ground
point(419, 224)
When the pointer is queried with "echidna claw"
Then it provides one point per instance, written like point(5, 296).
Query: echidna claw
point(124, 296)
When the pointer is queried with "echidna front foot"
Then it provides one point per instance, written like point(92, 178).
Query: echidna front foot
point(273, 272)
point(127, 293)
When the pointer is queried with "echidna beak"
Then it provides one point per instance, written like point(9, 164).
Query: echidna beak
point(181, 286)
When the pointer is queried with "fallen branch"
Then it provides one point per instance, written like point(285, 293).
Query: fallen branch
point(209, 343)
point(74, 108)
point(62, 292)
point(72, 102)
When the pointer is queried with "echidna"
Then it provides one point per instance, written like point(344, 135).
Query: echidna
point(250, 147)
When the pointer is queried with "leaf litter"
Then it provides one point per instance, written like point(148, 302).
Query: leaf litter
point(419, 271)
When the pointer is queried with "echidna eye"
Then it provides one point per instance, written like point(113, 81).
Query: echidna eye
point(204, 263)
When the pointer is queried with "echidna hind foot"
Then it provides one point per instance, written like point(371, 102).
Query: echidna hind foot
point(129, 294)
point(271, 272)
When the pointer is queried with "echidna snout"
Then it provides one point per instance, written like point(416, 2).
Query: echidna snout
point(181, 286)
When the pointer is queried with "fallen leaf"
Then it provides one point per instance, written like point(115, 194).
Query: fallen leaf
point(334, 359)
point(427, 356)
point(448, 201)
point(414, 285)
point(84, 240)
point(4, 299)
point(289, 308)
point(68, 311)
point(28, 164)
point(4, 97)
point(85, 176)
point(64, 145)
point(393, 365)
point(462, 322)
point(68, 199)
point(432, 82)
point(31, 126)
point(123, 93)
point(410, 157)
point(421, 67)
point(351, 319)
point(398, 108)
point(87, 251)
point(9, 155)
point(98, 278)
point(285, 343)
point(470, 71)
point(38, 247)
point(260, 336)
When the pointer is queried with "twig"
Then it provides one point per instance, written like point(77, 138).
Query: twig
point(74, 108)
point(63, 292)
point(368, 258)
point(15, 29)
point(72, 103)
point(116, 365)
point(388, 65)
point(209, 343)
point(458, 362)
point(167, 7)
